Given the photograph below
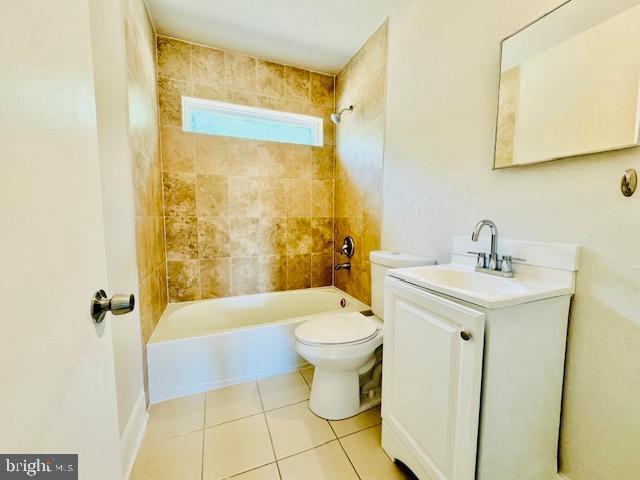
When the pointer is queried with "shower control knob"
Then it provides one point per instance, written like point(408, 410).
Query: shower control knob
point(466, 336)
point(119, 304)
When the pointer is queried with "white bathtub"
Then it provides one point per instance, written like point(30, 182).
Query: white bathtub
point(208, 344)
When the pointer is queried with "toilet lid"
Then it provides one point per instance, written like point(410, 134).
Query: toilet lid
point(335, 329)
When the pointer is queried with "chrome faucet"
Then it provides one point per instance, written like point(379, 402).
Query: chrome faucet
point(343, 266)
point(494, 262)
point(496, 265)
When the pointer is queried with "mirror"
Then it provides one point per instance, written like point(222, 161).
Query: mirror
point(569, 84)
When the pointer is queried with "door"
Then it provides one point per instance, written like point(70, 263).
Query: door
point(431, 379)
point(56, 366)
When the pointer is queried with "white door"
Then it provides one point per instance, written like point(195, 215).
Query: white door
point(56, 366)
point(431, 379)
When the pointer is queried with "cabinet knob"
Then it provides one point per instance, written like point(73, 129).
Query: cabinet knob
point(466, 336)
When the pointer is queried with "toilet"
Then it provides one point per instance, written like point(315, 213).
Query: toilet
point(346, 347)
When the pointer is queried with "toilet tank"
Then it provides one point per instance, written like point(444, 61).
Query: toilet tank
point(382, 260)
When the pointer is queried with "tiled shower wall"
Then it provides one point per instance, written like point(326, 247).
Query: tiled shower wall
point(243, 216)
point(359, 161)
point(147, 174)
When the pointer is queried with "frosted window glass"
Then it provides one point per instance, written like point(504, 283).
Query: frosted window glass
point(217, 118)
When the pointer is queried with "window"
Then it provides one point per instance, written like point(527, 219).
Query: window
point(220, 118)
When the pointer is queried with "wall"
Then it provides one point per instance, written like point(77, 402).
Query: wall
point(110, 73)
point(442, 98)
point(147, 169)
point(359, 158)
point(243, 216)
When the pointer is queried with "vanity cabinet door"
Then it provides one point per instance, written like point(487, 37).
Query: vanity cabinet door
point(431, 380)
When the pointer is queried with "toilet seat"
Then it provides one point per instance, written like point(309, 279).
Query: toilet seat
point(340, 329)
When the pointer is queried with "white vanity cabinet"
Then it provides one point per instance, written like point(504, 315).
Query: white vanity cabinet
point(432, 378)
point(472, 389)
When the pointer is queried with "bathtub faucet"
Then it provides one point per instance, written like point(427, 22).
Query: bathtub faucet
point(343, 266)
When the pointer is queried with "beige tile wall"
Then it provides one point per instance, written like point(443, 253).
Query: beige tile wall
point(243, 216)
point(359, 161)
point(147, 174)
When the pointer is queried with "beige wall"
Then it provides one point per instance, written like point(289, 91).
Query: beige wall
point(442, 97)
point(359, 155)
point(147, 170)
point(243, 216)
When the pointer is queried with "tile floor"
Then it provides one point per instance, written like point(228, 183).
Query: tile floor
point(260, 430)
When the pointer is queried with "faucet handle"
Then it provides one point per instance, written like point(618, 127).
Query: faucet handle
point(481, 261)
point(507, 267)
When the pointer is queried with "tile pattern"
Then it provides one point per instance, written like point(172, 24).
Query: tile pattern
point(232, 433)
point(359, 161)
point(147, 168)
point(243, 216)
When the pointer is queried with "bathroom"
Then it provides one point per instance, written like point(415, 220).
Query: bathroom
point(247, 272)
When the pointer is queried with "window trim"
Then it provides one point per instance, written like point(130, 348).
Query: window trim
point(190, 104)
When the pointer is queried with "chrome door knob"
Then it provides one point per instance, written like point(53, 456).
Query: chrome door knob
point(119, 304)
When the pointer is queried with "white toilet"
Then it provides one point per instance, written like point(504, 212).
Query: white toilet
point(343, 347)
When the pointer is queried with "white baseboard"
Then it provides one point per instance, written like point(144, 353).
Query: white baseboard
point(132, 435)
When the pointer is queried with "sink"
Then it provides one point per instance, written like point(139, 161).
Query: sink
point(463, 282)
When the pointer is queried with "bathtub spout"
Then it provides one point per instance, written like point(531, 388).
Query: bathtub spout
point(343, 266)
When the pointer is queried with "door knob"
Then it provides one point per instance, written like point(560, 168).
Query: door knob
point(466, 336)
point(119, 304)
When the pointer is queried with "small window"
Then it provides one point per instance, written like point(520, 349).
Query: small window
point(227, 119)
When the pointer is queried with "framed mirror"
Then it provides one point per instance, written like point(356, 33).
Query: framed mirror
point(570, 83)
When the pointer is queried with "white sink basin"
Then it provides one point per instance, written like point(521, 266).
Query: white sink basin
point(464, 283)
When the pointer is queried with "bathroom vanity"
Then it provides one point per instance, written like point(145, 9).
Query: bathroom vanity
point(474, 363)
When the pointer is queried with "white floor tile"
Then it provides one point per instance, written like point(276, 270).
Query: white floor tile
point(361, 421)
point(232, 403)
point(283, 390)
point(236, 447)
point(178, 416)
point(295, 428)
point(371, 462)
point(327, 462)
point(162, 458)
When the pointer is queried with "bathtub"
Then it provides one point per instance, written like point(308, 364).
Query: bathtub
point(209, 344)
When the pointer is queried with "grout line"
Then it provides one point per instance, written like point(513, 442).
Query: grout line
point(234, 420)
point(183, 434)
point(273, 448)
point(285, 406)
point(360, 431)
point(235, 475)
point(305, 379)
point(307, 449)
point(345, 452)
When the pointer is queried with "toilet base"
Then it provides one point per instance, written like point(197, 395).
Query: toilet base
point(336, 395)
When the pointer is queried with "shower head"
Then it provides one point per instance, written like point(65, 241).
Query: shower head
point(337, 117)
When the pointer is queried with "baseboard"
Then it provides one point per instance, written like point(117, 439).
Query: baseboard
point(562, 476)
point(132, 435)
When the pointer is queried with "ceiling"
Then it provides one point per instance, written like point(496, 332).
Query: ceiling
point(320, 35)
